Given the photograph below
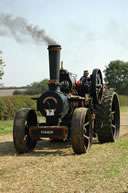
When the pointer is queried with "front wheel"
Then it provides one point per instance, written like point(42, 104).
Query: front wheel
point(81, 130)
point(23, 120)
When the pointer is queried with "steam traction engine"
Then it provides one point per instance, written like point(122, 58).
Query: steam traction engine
point(70, 111)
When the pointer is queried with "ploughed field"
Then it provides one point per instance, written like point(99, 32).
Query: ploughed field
point(8, 92)
point(54, 168)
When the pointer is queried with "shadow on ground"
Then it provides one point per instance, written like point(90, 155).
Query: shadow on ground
point(43, 147)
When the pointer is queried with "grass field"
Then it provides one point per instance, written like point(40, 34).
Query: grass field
point(54, 168)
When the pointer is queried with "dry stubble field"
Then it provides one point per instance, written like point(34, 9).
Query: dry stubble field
point(54, 168)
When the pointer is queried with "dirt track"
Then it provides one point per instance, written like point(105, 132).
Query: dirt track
point(54, 168)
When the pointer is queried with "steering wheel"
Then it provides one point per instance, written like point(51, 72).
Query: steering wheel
point(97, 86)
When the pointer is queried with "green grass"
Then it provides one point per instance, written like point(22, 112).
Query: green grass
point(112, 172)
point(124, 109)
point(6, 127)
point(123, 100)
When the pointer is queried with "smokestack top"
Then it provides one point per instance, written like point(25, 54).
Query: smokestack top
point(54, 47)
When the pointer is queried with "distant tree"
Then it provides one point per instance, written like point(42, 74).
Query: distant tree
point(34, 89)
point(2, 64)
point(17, 92)
point(116, 76)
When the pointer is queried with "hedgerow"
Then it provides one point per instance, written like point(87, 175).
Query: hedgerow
point(10, 104)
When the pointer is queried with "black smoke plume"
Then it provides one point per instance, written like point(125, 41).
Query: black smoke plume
point(19, 28)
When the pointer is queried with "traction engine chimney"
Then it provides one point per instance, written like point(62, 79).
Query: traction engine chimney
point(54, 66)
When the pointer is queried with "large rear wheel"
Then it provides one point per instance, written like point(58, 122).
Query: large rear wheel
point(81, 130)
point(23, 120)
point(97, 86)
point(108, 118)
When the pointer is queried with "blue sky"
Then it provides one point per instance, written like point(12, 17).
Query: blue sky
point(91, 32)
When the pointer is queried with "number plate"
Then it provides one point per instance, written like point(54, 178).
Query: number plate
point(48, 131)
point(50, 112)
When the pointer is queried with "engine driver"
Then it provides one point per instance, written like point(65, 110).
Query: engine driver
point(84, 81)
point(83, 85)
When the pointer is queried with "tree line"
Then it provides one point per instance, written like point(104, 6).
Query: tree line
point(115, 76)
point(34, 89)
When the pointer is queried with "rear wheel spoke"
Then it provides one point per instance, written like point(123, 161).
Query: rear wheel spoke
point(86, 124)
point(113, 126)
point(86, 137)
